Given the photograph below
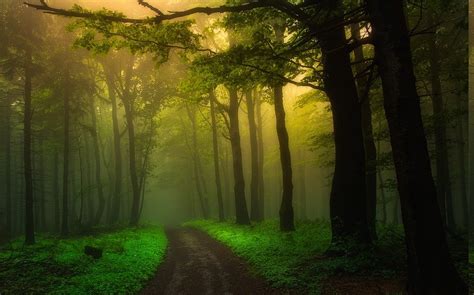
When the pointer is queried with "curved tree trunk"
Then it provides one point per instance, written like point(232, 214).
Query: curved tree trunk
point(424, 231)
point(254, 197)
point(215, 146)
point(135, 210)
point(286, 207)
point(241, 213)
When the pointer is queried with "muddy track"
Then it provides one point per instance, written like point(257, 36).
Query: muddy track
point(197, 264)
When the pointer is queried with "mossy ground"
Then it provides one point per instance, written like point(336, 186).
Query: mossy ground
point(297, 260)
point(59, 266)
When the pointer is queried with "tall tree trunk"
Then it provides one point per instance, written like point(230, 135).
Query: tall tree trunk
point(381, 181)
point(215, 146)
point(8, 168)
point(241, 213)
point(368, 135)
point(28, 173)
point(134, 214)
point(81, 182)
point(98, 175)
point(348, 203)
point(57, 207)
point(117, 196)
point(261, 184)
point(442, 162)
point(302, 193)
point(196, 164)
point(254, 197)
point(65, 217)
point(42, 187)
point(461, 143)
point(286, 207)
point(424, 231)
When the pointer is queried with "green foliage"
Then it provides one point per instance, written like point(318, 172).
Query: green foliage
point(59, 266)
point(297, 260)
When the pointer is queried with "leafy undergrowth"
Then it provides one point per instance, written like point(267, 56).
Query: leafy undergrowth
point(297, 260)
point(59, 266)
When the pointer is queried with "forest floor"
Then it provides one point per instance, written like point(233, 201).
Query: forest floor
point(57, 265)
point(296, 261)
point(195, 263)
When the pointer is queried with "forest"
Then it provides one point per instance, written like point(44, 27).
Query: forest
point(236, 147)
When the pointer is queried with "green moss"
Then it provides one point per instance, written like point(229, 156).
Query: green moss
point(297, 260)
point(59, 266)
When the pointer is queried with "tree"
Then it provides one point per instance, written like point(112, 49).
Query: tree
point(424, 232)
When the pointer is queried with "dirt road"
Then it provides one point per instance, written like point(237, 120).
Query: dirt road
point(197, 264)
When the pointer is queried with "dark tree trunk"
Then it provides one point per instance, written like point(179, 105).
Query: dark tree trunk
point(254, 197)
point(98, 175)
point(28, 173)
point(368, 135)
point(215, 146)
point(381, 182)
point(57, 207)
point(117, 197)
point(461, 143)
point(348, 203)
point(241, 213)
point(65, 217)
point(8, 178)
point(442, 162)
point(261, 184)
point(424, 231)
point(286, 207)
point(302, 193)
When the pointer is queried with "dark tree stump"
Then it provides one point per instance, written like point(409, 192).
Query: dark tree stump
point(94, 252)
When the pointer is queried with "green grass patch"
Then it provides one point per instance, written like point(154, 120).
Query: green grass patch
point(297, 261)
point(59, 266)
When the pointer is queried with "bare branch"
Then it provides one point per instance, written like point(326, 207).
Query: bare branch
point(151, 7)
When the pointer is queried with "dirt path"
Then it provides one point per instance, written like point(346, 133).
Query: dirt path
point(197, 264)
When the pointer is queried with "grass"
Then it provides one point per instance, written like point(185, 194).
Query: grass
point(59, 266)
point(296, 260)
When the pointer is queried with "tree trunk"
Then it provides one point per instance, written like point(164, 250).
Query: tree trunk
point(65, 217)
point(196, 164)
point(215, 146)
point(8, 168)
point(28, 173)
point(241, 213)
point(115, 208)
point(134, 214)
point(368, 135)
point(442, 162)
point(261, 184)
point(348, 203)
point(302, 173)
point(57, 207)
point(462, 163)
point(254, 197)
point(286, 207)
point(424, 234)
point(98, 175)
